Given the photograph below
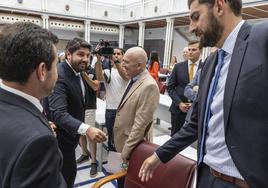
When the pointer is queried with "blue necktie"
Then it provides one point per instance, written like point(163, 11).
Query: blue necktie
point(211, 93)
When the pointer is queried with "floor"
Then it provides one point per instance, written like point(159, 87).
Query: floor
point(83, 179)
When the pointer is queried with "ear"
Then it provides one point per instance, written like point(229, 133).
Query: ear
point(68, 55)
point(41, 71)
point(220, 4)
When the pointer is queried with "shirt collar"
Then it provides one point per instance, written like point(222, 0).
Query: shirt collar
point(76, 73)
point(30, 98)
point(229, 43)
point(196, 63)
point(139, 75)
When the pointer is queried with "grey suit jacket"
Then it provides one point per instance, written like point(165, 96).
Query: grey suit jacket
point(245, 107)
point(29, 154)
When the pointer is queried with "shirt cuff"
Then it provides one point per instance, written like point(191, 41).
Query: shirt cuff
point(155, 154)
point(83, 129)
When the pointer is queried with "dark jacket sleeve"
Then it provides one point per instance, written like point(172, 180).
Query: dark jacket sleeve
point(58, 106)
point(39, 165)
point(179, 141)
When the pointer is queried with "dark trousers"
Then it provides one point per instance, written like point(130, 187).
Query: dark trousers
point(207, 180)
point(109, 122)
point(121, 182)
point(177, 121)
point(69, 168)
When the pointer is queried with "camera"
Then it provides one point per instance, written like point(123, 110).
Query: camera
point(104, 48)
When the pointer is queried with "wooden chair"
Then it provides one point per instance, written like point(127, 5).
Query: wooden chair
point(177, 173)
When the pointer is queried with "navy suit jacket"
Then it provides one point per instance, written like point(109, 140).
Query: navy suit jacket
point(245, 107)
point(29, 154)
point(178, 80)
point(67, 107)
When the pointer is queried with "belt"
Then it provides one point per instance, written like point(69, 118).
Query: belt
point(230, 179)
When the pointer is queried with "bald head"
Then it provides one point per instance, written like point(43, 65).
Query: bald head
point(134, 61)
point(185, 53)
point(138, 55)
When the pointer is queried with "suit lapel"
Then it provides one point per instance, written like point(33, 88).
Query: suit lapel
point(206, 77)
point(234, 69)
point(16, 100)
point(133, 88)
point(75, 82)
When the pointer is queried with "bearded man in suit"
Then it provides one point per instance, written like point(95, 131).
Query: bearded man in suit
point(230, 116)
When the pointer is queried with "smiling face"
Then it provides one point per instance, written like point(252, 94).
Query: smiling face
point(79, 59)
point(204, 24)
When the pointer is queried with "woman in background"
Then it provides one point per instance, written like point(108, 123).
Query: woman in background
point(173, 62)
point(154, 65)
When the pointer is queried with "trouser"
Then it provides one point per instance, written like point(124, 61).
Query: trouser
point(207, 180)
point(110, 115)
point(69, 168)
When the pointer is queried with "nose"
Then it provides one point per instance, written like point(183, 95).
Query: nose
point(192, 27)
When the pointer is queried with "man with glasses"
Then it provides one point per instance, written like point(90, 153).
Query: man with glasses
point(115, 81)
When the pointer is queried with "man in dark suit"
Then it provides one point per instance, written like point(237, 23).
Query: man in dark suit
point(68, 103)
point(28, 149)
point(230, 116)
point(181, 75)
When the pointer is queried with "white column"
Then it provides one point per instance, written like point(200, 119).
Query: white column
point(205, 53)
point(170, 5)
point(44, 5)
point(141, 34)
point(121, 36)
point(142, 8)
point(123, 8)
point(45, 21)
point(87, 30)
point(168, 42)
point(89, 7)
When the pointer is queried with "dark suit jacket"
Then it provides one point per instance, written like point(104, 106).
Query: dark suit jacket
point(29, 154)
point(245, 107)
point(178, 80)
point(67, 107)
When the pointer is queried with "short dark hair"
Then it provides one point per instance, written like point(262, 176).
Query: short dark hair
point(75, 44)
point(235, 5)
point(23, 46)
point(194, 42)
point(121, 50)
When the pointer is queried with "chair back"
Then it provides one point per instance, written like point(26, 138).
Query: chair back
point(177, 173)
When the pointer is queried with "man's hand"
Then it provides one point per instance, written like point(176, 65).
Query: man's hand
point(53, 127)
point(148, 167)
point(195, 88)
point(95, 135)
point(184, 107)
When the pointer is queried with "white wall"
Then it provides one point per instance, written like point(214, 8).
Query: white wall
point(178, 44)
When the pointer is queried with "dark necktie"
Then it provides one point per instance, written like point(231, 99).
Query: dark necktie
point(126, 91)
point(211, 93)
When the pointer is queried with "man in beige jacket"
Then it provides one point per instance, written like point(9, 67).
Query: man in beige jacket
point(135, 112)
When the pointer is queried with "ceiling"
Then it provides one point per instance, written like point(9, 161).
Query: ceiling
point(249, 13)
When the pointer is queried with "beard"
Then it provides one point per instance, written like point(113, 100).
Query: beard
point(213, 33)
point(78, 65)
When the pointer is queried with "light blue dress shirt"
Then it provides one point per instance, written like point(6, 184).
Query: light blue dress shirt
point(217, 154)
